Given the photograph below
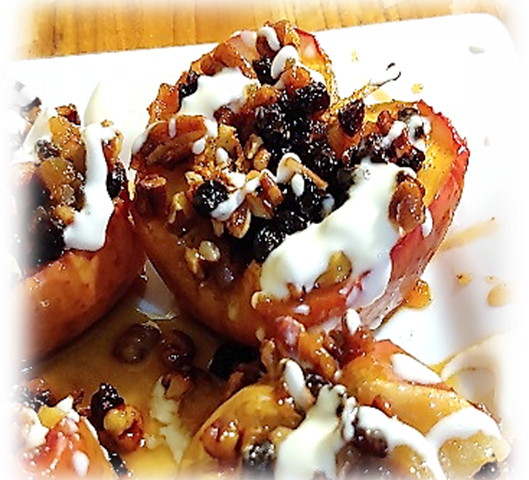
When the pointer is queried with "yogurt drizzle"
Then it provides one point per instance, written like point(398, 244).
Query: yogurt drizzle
point(323, 433)
point(88, 230)
point(360, 228)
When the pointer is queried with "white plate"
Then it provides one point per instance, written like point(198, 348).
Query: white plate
point(468, 70)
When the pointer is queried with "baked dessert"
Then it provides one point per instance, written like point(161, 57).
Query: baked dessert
point(53, 440)
point(259, 193)
point(73, 237)
point(343, 405)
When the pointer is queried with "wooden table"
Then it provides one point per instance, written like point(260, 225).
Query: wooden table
point(69, 27)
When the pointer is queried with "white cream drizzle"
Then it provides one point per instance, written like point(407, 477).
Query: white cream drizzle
point(226, 88)
point(411, 370)
point(295, 382)
point(352, 320)
point(312, 447)
point(88, 230)
point(396, 433)
point(360, 228)
point(271, 37)
point(81, 463)
point(323, 433)
point(13, 122)
point(286, 58)
point(224, 210)
point(39, 131)
point(505, 356)
point(427, 225)
point(298, 184)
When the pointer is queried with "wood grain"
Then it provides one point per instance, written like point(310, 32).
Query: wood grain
point(67, 27)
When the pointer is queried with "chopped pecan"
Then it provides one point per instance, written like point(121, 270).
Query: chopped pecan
point(407, 208)
point(151, 194)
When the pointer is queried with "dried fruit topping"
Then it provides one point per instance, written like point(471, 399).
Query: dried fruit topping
point(135, 343)
point(178, 351)
point(258, 459)
point(34, 395)
point(209, 196)
point(229, 356)
point(351, 117)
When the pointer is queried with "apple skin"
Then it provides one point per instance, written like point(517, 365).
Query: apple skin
point(55, 459)
point(65, 297)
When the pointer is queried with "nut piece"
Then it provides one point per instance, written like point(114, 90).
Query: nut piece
point(124, 425)
point(151, 194)
point(222, 440)
point(407, 209)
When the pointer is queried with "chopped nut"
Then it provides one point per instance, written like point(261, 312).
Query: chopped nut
point(222, 440)
point(124, 424)
point(209, 251)
point(253, 144)
point(261, 159)
point(407, 208)
point(239, 222)
point(193, 261)
point(151, 194)
point(176, 384)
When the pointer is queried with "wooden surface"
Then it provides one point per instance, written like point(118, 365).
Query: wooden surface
point(55, 28)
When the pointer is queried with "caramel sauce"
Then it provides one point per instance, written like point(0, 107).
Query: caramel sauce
point(417, 88)
point(499, 295)
point(464, 278)
point(420, 296)
point(89, 361)
point(468, 235)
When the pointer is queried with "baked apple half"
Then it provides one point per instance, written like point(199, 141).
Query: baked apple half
point(259, 193)
point(73, 236)
point(53, 440)
point(369, 411)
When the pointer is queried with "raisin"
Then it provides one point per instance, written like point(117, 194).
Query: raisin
point(311, 98)
point(324, 163)
point(266, 240)
point(190, 86)
point(178, 351)
point(259, 458)
point(229, 356)
point(9, 143)
point(118, 464)
point(48, 239)
point(413, 158)
point(209, 196)
point(271, 125)
point(290, 222)
point(263, 69)
point(33, 399)
point(310, 202)
point(116, 180)
point(370, 442)
point(9, 280)
point(351, 117)
point(489, 471)
point(136, 342)
point(102, 401)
